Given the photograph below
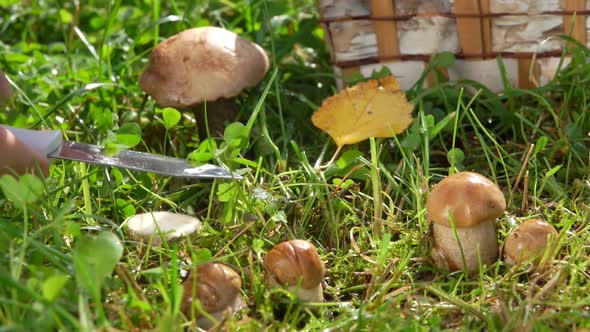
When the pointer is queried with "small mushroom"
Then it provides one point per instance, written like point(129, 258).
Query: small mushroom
point(146, 226)
point(296, 266)
point(528, 242)
point(474, 203)
point(5, 89)
point(217, 287)
point(205, 64)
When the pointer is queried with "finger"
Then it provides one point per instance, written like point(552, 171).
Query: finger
point(18, 158)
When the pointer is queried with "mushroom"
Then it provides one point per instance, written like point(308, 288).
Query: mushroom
point(528, 242)
point(473, 203)
point(5, 89)
point(146, 226)
point(206, 64)
point(297, 266)
point(217, 287)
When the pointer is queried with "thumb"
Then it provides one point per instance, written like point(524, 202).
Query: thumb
point(17, 157)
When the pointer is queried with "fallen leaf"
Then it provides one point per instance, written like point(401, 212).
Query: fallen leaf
point(375, 108)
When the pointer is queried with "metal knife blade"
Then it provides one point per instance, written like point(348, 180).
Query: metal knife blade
point(51, 144)
point(140, 161)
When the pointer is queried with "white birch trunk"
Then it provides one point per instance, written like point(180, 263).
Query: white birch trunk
point(331, 9)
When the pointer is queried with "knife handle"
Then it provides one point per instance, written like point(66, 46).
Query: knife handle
point(43, 141)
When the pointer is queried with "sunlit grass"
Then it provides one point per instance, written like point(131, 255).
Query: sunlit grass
point(366, 213)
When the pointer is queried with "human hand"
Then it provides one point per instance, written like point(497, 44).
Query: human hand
point(15, 156)
point(18, 158)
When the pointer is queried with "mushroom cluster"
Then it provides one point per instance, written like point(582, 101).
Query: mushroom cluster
point(293, 265)
point(217, 288)
point(204, 65)
point(463, 209)
point(205, 68)
point(296, 266)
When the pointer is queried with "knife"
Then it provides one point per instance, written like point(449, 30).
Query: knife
point(51, 144)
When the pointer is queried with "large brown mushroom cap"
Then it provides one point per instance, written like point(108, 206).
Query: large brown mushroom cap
point(218, 286)
point(295, 262)
point(202, 64)
point(471, 198)
point(528, 241)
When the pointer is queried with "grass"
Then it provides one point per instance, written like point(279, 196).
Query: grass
point(76, 69)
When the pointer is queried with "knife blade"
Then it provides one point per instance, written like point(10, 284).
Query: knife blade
point(51, 144)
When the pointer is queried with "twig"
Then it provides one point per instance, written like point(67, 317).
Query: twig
point(331, 161)
point(356, 247)
point(548, 286)
point(525, 192)
point(522, 168)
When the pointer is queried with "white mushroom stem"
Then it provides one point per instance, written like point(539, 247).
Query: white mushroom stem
point(314, 294)
point(218, 112)
point(478, 243)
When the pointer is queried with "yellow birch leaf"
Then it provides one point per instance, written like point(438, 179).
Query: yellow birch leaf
point(375, 108)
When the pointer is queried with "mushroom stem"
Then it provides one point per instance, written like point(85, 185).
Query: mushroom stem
point(314, 294)
point(218, 112)
point(481, 246)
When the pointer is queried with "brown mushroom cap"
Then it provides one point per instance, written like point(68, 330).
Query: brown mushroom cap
point(217, 287)
point(528, 241)
point(202, 64)
point(471, 198)
point(293, 262)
